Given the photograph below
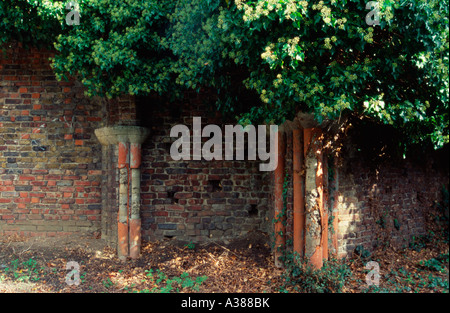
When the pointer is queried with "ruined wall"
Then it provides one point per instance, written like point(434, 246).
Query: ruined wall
point(50, 160)
point(190, 200)
point(196, 200)
point(383, 203)
point(56, 178)
point(377, 197)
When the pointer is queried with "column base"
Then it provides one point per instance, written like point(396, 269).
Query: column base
point(122, 249)
point(135, 238)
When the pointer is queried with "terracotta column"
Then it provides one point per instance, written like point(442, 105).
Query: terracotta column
point(135, 218)
point(122, 218)
point(129, 140)
point(323, 183)
point(280, 228)
point(335, 208)
point(299, 193)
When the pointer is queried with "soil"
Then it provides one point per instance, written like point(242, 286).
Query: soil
point(244, 265)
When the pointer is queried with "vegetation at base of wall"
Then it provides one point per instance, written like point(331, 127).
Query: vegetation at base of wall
point(422, 266)
point(404, 281)
point(23, 271)
point(425, 275)
point(190, 245)
point(301, 276)
point(163, 284)
point(228, 270)
point(436, 264)
point(362, 252)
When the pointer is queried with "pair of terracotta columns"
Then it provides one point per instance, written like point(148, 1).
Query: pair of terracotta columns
point(310, 216)
point(129, 140)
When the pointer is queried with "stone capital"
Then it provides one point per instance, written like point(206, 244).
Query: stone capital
point(115, 134)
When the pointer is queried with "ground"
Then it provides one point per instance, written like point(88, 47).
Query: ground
point(245, 265)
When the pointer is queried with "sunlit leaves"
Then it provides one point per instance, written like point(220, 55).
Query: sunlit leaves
point(316, 56)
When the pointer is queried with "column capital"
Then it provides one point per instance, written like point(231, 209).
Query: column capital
point(114, 134)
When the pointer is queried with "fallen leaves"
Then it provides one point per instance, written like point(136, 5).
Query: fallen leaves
point(238, 266)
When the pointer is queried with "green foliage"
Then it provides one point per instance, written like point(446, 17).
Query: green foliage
point(35, 23)
point(107, 283)
point(190, 245)
point(362, 252)
point(436, 281)
point(117, 48)
point(265, 58)
point(396, 224)
point(321, 57)
point(381, 221)
point(419, 242)
point(24, 271)
point(303, 277)
point(163, 284)
point(402, 281)
point(436, 264)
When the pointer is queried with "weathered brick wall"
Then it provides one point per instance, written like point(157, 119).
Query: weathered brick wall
point(386, 205)
point(379, 200)
point(195, 200)
point(56, 178)
point(50, 160)
point(109, 187)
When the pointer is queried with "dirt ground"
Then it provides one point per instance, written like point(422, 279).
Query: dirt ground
point(38, 265)
point(241, 266)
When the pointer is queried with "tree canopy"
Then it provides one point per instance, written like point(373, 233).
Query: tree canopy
point(267, 59)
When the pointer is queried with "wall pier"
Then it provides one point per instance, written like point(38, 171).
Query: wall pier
point(129, 140)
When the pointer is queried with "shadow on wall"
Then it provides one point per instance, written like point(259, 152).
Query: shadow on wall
point(382, 198)
point(196, 200)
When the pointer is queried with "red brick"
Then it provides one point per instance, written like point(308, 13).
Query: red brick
point(10, 78)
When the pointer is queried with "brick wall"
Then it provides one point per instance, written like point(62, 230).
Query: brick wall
point(189, 200)
point(380, 197)
point(195, 200)
point(386, 203)
point(56, 178)
point(50, 160)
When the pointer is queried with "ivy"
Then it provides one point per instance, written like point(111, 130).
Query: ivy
point(266, 59)
point(33, 23)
